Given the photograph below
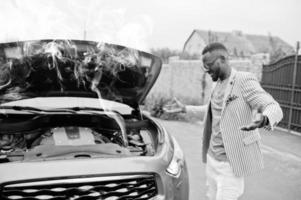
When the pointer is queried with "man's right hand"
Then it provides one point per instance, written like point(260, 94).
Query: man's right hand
point(175, 106)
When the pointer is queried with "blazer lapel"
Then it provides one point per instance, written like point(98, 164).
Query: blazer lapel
point(229, 88)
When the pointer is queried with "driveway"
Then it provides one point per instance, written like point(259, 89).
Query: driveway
point(280, 180)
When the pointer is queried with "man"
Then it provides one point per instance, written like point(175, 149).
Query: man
point(231, 141)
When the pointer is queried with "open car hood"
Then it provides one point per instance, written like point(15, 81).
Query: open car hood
point(43, 68)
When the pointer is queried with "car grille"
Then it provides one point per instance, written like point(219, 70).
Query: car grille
point(138, 187)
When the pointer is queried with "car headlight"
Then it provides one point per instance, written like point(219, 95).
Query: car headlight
point(175, 166)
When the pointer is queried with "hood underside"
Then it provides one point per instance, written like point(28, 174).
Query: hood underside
point(44, 68)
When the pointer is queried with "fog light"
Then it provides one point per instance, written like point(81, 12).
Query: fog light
point(157, 198)
point(175, 166)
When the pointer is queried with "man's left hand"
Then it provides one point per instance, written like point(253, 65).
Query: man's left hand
point(258, 122)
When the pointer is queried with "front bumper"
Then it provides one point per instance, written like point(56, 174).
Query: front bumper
point(152, 181)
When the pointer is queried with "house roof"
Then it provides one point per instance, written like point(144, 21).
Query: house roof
point(247, 43)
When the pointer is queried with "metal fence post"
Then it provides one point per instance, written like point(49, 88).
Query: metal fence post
point(293, 88)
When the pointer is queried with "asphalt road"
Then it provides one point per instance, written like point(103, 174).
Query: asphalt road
point(280, 180)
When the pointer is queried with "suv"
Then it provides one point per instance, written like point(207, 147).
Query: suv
point(71, 127)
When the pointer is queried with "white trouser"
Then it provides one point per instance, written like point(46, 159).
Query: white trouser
point(221, 182)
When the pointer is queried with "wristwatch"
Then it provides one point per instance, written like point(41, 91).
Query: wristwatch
point(265, 121)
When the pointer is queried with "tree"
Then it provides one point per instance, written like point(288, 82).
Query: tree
point(186, 56)
point(276, 52)
point(241, 54)
point(235, 53)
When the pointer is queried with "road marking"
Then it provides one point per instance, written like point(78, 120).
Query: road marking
point(283, 155)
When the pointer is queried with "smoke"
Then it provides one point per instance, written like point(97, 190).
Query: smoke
point(73, 19)
point(59, 65)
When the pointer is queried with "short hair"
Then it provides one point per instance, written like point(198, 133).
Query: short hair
point(214, 46)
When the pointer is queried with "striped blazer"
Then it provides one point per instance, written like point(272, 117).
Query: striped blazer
point(243, 95)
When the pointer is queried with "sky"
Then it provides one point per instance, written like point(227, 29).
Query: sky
point(146, 24)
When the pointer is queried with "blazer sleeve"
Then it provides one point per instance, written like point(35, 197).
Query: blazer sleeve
point(257, 98)
point(196, 109)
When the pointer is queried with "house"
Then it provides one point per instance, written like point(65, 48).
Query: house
point(238, 44)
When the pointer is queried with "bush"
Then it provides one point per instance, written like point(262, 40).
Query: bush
point(155, 104)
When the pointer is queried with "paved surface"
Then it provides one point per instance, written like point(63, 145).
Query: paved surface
point(280, 180)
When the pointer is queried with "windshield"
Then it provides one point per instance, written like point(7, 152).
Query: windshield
point(44, 68)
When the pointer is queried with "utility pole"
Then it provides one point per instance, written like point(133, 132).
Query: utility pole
point(293, 87)
point(85, 31)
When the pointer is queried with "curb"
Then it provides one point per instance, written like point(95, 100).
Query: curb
point(281, 154)
point(287, 131)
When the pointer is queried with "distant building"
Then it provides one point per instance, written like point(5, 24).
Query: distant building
point(238, 44)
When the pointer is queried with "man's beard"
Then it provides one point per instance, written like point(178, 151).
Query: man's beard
point(214, 79)
point(214, 76)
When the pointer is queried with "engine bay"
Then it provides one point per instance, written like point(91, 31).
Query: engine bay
point(67, 136)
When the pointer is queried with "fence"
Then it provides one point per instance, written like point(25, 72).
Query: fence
point(185, 79)
point(281, 80)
